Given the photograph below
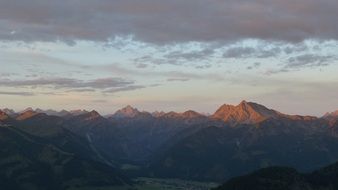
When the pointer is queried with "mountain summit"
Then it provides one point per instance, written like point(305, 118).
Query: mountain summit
point(126, 112)
point(26, 114)
point(244, 113)
point(93, 115)
point(3, 115)
point(9, 112)
point(331, 115)
point(191, 114)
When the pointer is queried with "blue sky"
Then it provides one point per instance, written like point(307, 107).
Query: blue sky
point(70, 55)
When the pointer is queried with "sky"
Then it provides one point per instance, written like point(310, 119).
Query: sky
point(169, 55)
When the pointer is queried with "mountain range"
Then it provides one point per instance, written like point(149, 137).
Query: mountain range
point(231, 142)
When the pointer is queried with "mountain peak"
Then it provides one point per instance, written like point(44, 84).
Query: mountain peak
point(129, 109)
point(78, 112)
point(48, 112)
point(92, 115)
point(243, 102)
point(126, 112)
point(63, 113)
point(3, 115)
point(244, 113)
point(331, 114)
point(27, 114)
point(247, 106)
point(27, 109)
point(158, 113)
point(9, 112)
point(191, 114)
point(172, 114)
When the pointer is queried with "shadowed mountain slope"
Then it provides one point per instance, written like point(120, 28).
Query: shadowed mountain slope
point(214, 153)
point(283, 178)
point(29, 162)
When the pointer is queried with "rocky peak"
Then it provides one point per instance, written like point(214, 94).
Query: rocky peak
point(244, 113)
point(244, 103)
point(63, 113)
point(331, 114)
point(158, 113)
point(331, 117)
point(92, 115)
point(9, 112)
point(40, 110)
point(191, 114)
point(172, 114)
point(3, 115)
point(78, 112)
point(26, 114)
point(26, 110)
point(126, 112)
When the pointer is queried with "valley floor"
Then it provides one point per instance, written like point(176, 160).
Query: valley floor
point(144, 183)
point(172, 184)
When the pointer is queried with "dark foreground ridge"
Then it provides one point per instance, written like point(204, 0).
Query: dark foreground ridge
point(284, 178)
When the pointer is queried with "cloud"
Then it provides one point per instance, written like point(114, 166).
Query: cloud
point(302, 61)
point(162, 21)
point(239, 52)
point(191, 55)
point(118, 69)
point(102, 84)
point(141, 66)
point(250, 52)
point(178, 79)
point(308, 60)
point(17, 93)
point(4, 75)
point(125, 88)
point(183, 56)
point(254, 66)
